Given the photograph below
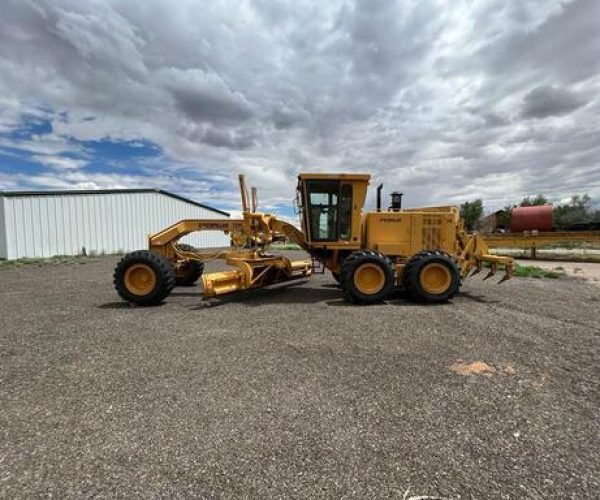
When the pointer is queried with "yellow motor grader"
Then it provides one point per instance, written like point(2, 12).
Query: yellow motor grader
point(425, 251)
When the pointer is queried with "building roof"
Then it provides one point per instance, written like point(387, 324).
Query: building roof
point(10, 194)
point(493, 214)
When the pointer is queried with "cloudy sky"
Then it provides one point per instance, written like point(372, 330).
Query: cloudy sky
point(444, 100)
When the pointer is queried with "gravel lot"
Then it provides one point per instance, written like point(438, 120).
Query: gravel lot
point(293, 393)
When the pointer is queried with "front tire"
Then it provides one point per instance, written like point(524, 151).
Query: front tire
point(190, 270)
point(432, 277)
point(144, 278)
point(367, 277)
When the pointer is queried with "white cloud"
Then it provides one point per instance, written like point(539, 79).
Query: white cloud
point(432, 98)
point(42, 144)
point(60, 162)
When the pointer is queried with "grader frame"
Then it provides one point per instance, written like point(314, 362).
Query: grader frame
point(381, 250)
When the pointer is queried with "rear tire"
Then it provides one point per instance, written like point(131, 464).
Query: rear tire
point(144, 278)
point(367, 277)
point(432, 277)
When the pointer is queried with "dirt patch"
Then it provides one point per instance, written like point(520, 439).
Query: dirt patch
point(482, 368)
point(475, 368)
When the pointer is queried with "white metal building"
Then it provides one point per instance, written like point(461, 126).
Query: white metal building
point(48, 223)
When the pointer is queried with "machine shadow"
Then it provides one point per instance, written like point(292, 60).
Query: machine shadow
point(294, 293)
point(122, 305)
point(196, 293)
point(481, 299)
point(288, 293)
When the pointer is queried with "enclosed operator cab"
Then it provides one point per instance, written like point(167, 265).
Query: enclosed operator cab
point(331, 208)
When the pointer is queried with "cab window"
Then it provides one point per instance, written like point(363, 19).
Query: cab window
point(323, 209)
point(345, 211)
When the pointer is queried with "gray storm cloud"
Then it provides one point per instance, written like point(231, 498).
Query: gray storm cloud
point(545, 101)
point(444, 100)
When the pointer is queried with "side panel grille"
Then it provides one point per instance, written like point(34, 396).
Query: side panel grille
point(431, 232)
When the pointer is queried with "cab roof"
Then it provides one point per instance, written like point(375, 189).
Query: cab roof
point(334, 176)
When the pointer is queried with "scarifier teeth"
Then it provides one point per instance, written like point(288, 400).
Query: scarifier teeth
point(492, 272)
point(506, 277)
point(477, 269)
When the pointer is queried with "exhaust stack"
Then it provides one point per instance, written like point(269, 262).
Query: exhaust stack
point(379, 188)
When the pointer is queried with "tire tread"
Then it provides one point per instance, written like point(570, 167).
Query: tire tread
point(349, 265)
point(165, 277)
point(410, 278)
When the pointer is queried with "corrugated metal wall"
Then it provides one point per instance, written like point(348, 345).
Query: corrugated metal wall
point(62, 224)
point(2, 231)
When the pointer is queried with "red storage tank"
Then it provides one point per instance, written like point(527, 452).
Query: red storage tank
point(531, 218)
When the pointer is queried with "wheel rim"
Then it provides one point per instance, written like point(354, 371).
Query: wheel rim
point(436, 278)
point(369, 278)
point(140, 279)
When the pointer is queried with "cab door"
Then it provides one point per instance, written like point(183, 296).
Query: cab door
point(327, 210)
point(321, 209)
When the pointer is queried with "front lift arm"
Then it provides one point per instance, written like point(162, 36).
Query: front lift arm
point(164, 242)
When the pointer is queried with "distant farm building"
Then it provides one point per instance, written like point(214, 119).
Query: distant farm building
point(493, 223)
point(48, 223)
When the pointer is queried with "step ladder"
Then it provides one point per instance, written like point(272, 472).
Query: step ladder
point(317, 266)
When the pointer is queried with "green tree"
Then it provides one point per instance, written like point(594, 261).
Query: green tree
point(471, 212)
point(532, 201)
point(576, 210)
point(507, 215)
point(581, 202)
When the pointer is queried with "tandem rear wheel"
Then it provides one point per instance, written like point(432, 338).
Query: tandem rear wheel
point(367, 277)
point(431, 276)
